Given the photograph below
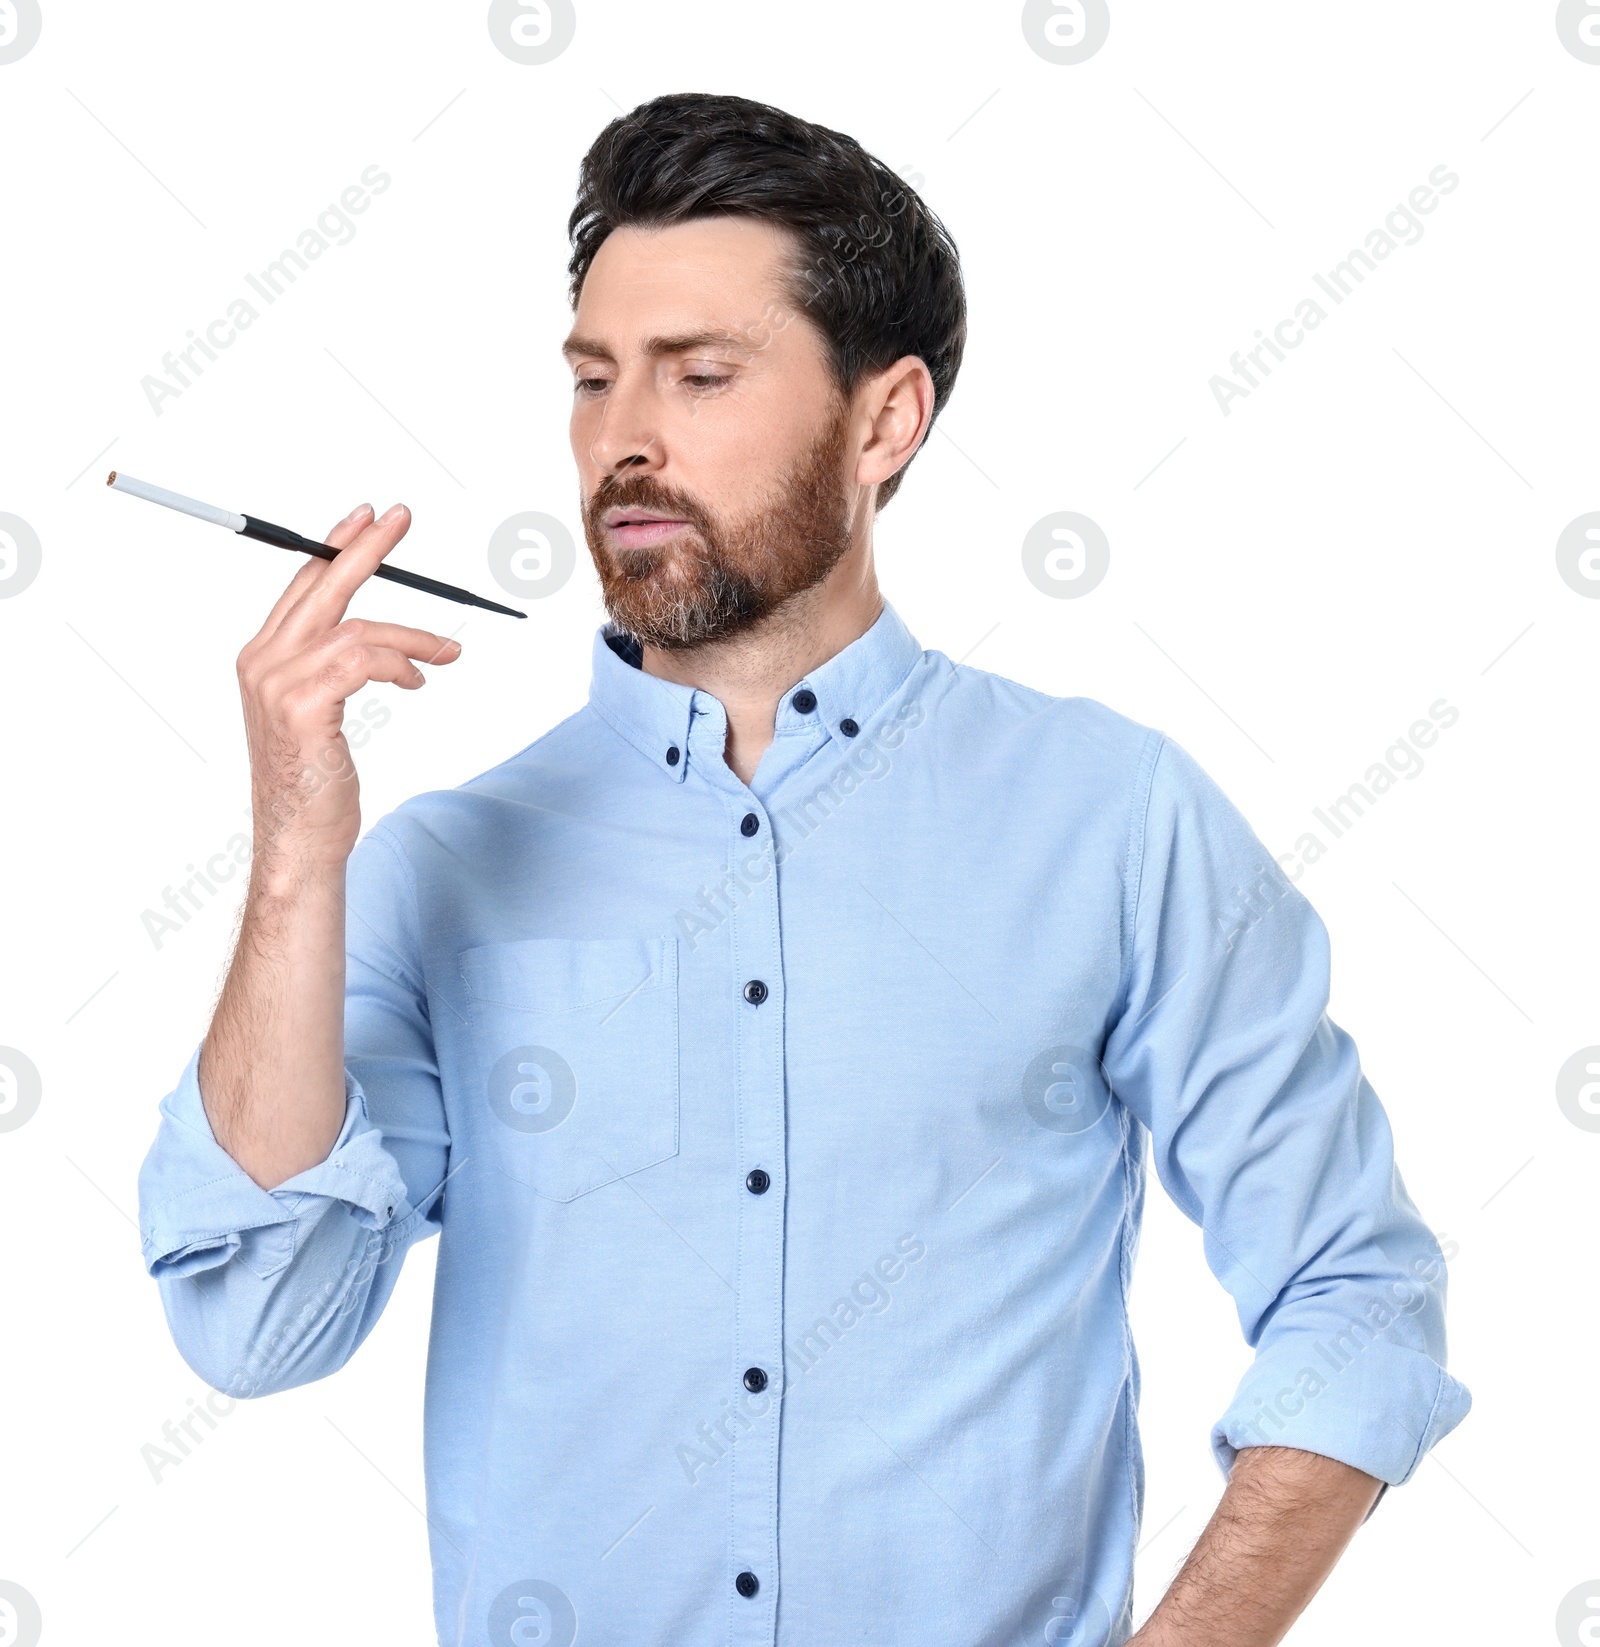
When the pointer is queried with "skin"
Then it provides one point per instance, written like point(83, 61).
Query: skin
point(714, 420)
point(1283, 1521)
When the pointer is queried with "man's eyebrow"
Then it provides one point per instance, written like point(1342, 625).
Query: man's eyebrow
point(683, 342)
point(677, 344)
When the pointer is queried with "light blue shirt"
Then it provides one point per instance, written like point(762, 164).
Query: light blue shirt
point(786, 1145)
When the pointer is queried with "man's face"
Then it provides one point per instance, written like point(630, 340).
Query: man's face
point(710, 433)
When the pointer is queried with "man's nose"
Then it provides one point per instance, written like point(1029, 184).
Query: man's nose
point(629, 436)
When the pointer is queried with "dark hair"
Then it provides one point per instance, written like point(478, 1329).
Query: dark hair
point(878, 273)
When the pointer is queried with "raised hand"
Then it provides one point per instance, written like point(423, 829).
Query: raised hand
point(294, 678)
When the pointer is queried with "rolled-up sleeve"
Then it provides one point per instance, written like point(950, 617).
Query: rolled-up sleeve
point(265, 1289)
point(1267, 1134)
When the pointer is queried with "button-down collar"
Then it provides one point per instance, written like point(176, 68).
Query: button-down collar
point(660, 716)
point(654, 715)
point(853, 684)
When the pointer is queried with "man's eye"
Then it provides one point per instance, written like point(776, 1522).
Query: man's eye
point(590, 386)
point(706, 380)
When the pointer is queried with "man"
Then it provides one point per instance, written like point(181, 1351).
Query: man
point(774, 1044)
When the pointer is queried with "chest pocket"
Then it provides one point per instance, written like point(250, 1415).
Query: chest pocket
point(575, 1057)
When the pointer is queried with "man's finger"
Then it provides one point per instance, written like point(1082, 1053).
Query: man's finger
point(348, 670)
point(311, 570)
point(323, 604)
point(350, 528)
point(421, 644)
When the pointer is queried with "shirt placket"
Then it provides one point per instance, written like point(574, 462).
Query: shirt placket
point(756, 1374)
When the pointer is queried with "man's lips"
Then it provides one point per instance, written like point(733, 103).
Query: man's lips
point(640, 528)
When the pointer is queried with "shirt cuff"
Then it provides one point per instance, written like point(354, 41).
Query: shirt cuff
point(198, 1207)
point(1378, 1409)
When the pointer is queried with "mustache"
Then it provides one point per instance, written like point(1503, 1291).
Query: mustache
point(646, 492)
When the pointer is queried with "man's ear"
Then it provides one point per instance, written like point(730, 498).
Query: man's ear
point(896, 407)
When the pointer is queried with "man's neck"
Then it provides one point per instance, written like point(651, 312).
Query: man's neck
point(750, 672)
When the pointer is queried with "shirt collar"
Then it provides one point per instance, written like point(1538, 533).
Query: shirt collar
point(669, 723)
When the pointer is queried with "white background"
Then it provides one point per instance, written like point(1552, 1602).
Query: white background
point(1371, 530)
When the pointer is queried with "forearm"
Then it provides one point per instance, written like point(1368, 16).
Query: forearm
point(1283, 1521)
point(272, 1067)
point(271, 1071)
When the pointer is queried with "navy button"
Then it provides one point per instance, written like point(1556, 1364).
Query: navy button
point(755, 992)
point(755, 1380)
point(747, 1584)
point(749, 824)
point(849, 728)
point(805, 700)
point(672, 756)
point(757, 1181)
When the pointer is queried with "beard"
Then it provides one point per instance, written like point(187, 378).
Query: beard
point(719, 578)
